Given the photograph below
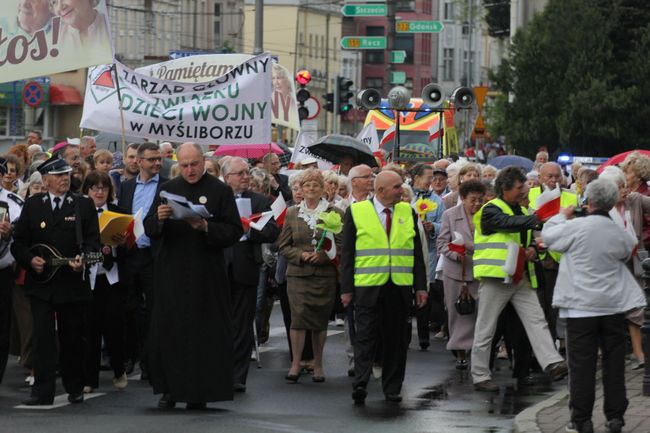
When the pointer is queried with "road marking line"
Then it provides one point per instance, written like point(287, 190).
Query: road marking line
point(59, 401)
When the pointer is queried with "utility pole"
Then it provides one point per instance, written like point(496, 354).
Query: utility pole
point(470, 30)
point(259, 27)
point(390, 43)
point(195, 25)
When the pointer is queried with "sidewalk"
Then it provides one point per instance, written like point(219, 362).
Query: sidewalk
point(552, 415)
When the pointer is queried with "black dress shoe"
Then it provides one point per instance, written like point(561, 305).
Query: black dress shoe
point(424, 347)
point(166, 402)
point(359, 395)
point(351, 372)
point(195, 406)
point(292, 378)
point(77, 397)
point(526, 381)
point(395, 398)
point(239, 387)
point(318, 379)
point(38, 401)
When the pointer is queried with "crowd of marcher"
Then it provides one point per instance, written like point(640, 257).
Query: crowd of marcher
point(455, 244)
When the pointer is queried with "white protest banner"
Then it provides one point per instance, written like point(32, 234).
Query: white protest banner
point(233, 109)
point(206, 67)
point(301, 151)
point(37, 40)
point(369, 136)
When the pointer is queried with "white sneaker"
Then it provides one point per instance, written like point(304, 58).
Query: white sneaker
point(88, 390)
point(339, 322)
point(29, 380)
point(120, 382)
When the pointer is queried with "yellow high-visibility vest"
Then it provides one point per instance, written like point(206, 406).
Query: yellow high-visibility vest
point(376, 257)
point(491, 251)
point(567, 198)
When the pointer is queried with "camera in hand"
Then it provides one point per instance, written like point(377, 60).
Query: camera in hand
point(580, 212)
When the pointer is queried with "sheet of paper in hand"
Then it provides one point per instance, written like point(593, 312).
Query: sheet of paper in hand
point(182, 208)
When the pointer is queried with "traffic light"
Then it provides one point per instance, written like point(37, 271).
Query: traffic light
point(303, 77)
point(329, 102)
point(345, 94)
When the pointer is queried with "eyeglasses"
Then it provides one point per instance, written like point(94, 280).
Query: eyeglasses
point(242, 173)
point(96, 188)
point(153, 159)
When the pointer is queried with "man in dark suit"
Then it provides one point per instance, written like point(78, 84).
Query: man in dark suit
point(382, 270)
point(67, 222)
point(280, 182)
point(243, 261)
point(139, 193)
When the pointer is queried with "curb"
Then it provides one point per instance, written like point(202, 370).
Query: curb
point(526, 420)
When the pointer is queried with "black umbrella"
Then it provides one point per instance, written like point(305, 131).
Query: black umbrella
point(333, 147)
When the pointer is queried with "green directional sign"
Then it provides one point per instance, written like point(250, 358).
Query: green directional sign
point(375, 10)
point(363, 43)
point(397, 77)
point(419, 26)
point(398, 56)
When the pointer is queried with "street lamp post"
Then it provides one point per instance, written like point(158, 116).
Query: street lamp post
point(645, 329)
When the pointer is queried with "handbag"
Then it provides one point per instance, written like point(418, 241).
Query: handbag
point(637, 261)
point(465, 304)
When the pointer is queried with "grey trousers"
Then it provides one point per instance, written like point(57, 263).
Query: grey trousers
point(494, 294)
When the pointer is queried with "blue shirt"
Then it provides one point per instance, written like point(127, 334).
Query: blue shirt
point(143, 197)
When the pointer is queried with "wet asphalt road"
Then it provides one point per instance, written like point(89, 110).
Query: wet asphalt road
point(436, 399)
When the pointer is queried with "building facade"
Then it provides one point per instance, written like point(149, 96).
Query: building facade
point(302, 34)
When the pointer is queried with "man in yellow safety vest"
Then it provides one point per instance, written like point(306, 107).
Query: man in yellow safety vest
point(382, 268)
point(500, 223)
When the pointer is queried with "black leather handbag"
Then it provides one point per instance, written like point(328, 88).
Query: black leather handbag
point(465, 304)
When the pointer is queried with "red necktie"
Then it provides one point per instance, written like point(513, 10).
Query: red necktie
point(388, 220)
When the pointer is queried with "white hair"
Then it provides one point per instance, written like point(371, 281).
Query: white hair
point(164, 145)
point(225, 167)
point(614, 174)
point(356, 171)
point(344, 181)
point(33, 148)
point(602, 194)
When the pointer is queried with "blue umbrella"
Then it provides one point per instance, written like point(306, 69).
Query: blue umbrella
point(505, 160)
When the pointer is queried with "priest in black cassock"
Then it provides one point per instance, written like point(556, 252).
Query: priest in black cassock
point(191, 337)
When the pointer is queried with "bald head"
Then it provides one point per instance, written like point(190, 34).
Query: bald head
point(191, 162)
point(550, 174)
point(388, 188)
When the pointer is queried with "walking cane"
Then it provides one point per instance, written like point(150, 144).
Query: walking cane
point(257, 347)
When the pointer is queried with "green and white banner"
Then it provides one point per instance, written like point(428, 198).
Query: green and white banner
point(232, 109)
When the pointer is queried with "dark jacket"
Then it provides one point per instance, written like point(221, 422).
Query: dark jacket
point(367, 296)
point(243, 260)
point(37, 224)
point(125, 201)
point(494, 220)
point(283, 187)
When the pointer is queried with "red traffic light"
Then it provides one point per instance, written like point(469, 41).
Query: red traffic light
point(303, 77)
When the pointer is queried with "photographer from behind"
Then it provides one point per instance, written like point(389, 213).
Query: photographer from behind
point(594, 289)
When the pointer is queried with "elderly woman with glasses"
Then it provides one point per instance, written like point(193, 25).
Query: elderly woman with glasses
point(311, 274)
point(594, 290)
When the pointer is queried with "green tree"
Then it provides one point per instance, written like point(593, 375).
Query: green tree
point(573, 77)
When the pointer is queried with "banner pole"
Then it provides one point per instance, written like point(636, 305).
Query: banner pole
point(119, 98)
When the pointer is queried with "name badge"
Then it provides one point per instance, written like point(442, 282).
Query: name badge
point(70, 218)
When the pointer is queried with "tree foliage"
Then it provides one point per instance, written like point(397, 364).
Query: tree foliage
point(576, 77)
